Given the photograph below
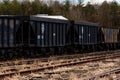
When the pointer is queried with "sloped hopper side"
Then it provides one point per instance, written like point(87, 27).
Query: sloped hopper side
point(25, 35)
point(72, 34)
point(118, 36)
point(100, 36)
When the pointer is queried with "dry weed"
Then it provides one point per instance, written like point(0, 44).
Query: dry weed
point(73, 76)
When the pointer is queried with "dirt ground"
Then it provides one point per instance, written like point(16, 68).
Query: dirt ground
point(74, 72)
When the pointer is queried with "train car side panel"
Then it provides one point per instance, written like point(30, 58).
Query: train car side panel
point(50, 32)
point(110, 35)
point(87, 33)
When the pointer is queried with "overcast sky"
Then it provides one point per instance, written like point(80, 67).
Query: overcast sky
point(100, 1)
point(94, 1)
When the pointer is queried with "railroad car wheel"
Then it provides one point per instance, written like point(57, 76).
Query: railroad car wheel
point(115, 47)
point(55, 51)
point(26, 54)
point(20, 53)
point(67, 50)
point(43, 50)
point(93, 48)
point(15, 54)
point(83, 48)
point(8, 55)
point(2, 55)
point(97, 47)
point(118, 45)
point(47, 50)
point(71, 50)
point(60, 50)
point(110, 47)
point(37, 53)
point(52, 52)
point(107, 47)
point(88, 48)
point(76, 50)
point(80, 49)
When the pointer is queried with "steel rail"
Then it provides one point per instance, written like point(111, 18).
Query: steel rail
point(30, 61)
point(62, 64)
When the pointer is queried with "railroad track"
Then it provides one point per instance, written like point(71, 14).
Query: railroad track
point(31, 61)
point(117, 78)
point(54, 59)
point(105, 74)
point(12, 70)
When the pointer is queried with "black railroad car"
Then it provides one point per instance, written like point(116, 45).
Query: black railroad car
point(85, 35)
point(50, 32)
point(9, 25)
point(24, 36)
point(8, 29)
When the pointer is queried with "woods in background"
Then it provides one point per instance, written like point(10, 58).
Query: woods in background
point(106, 14)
